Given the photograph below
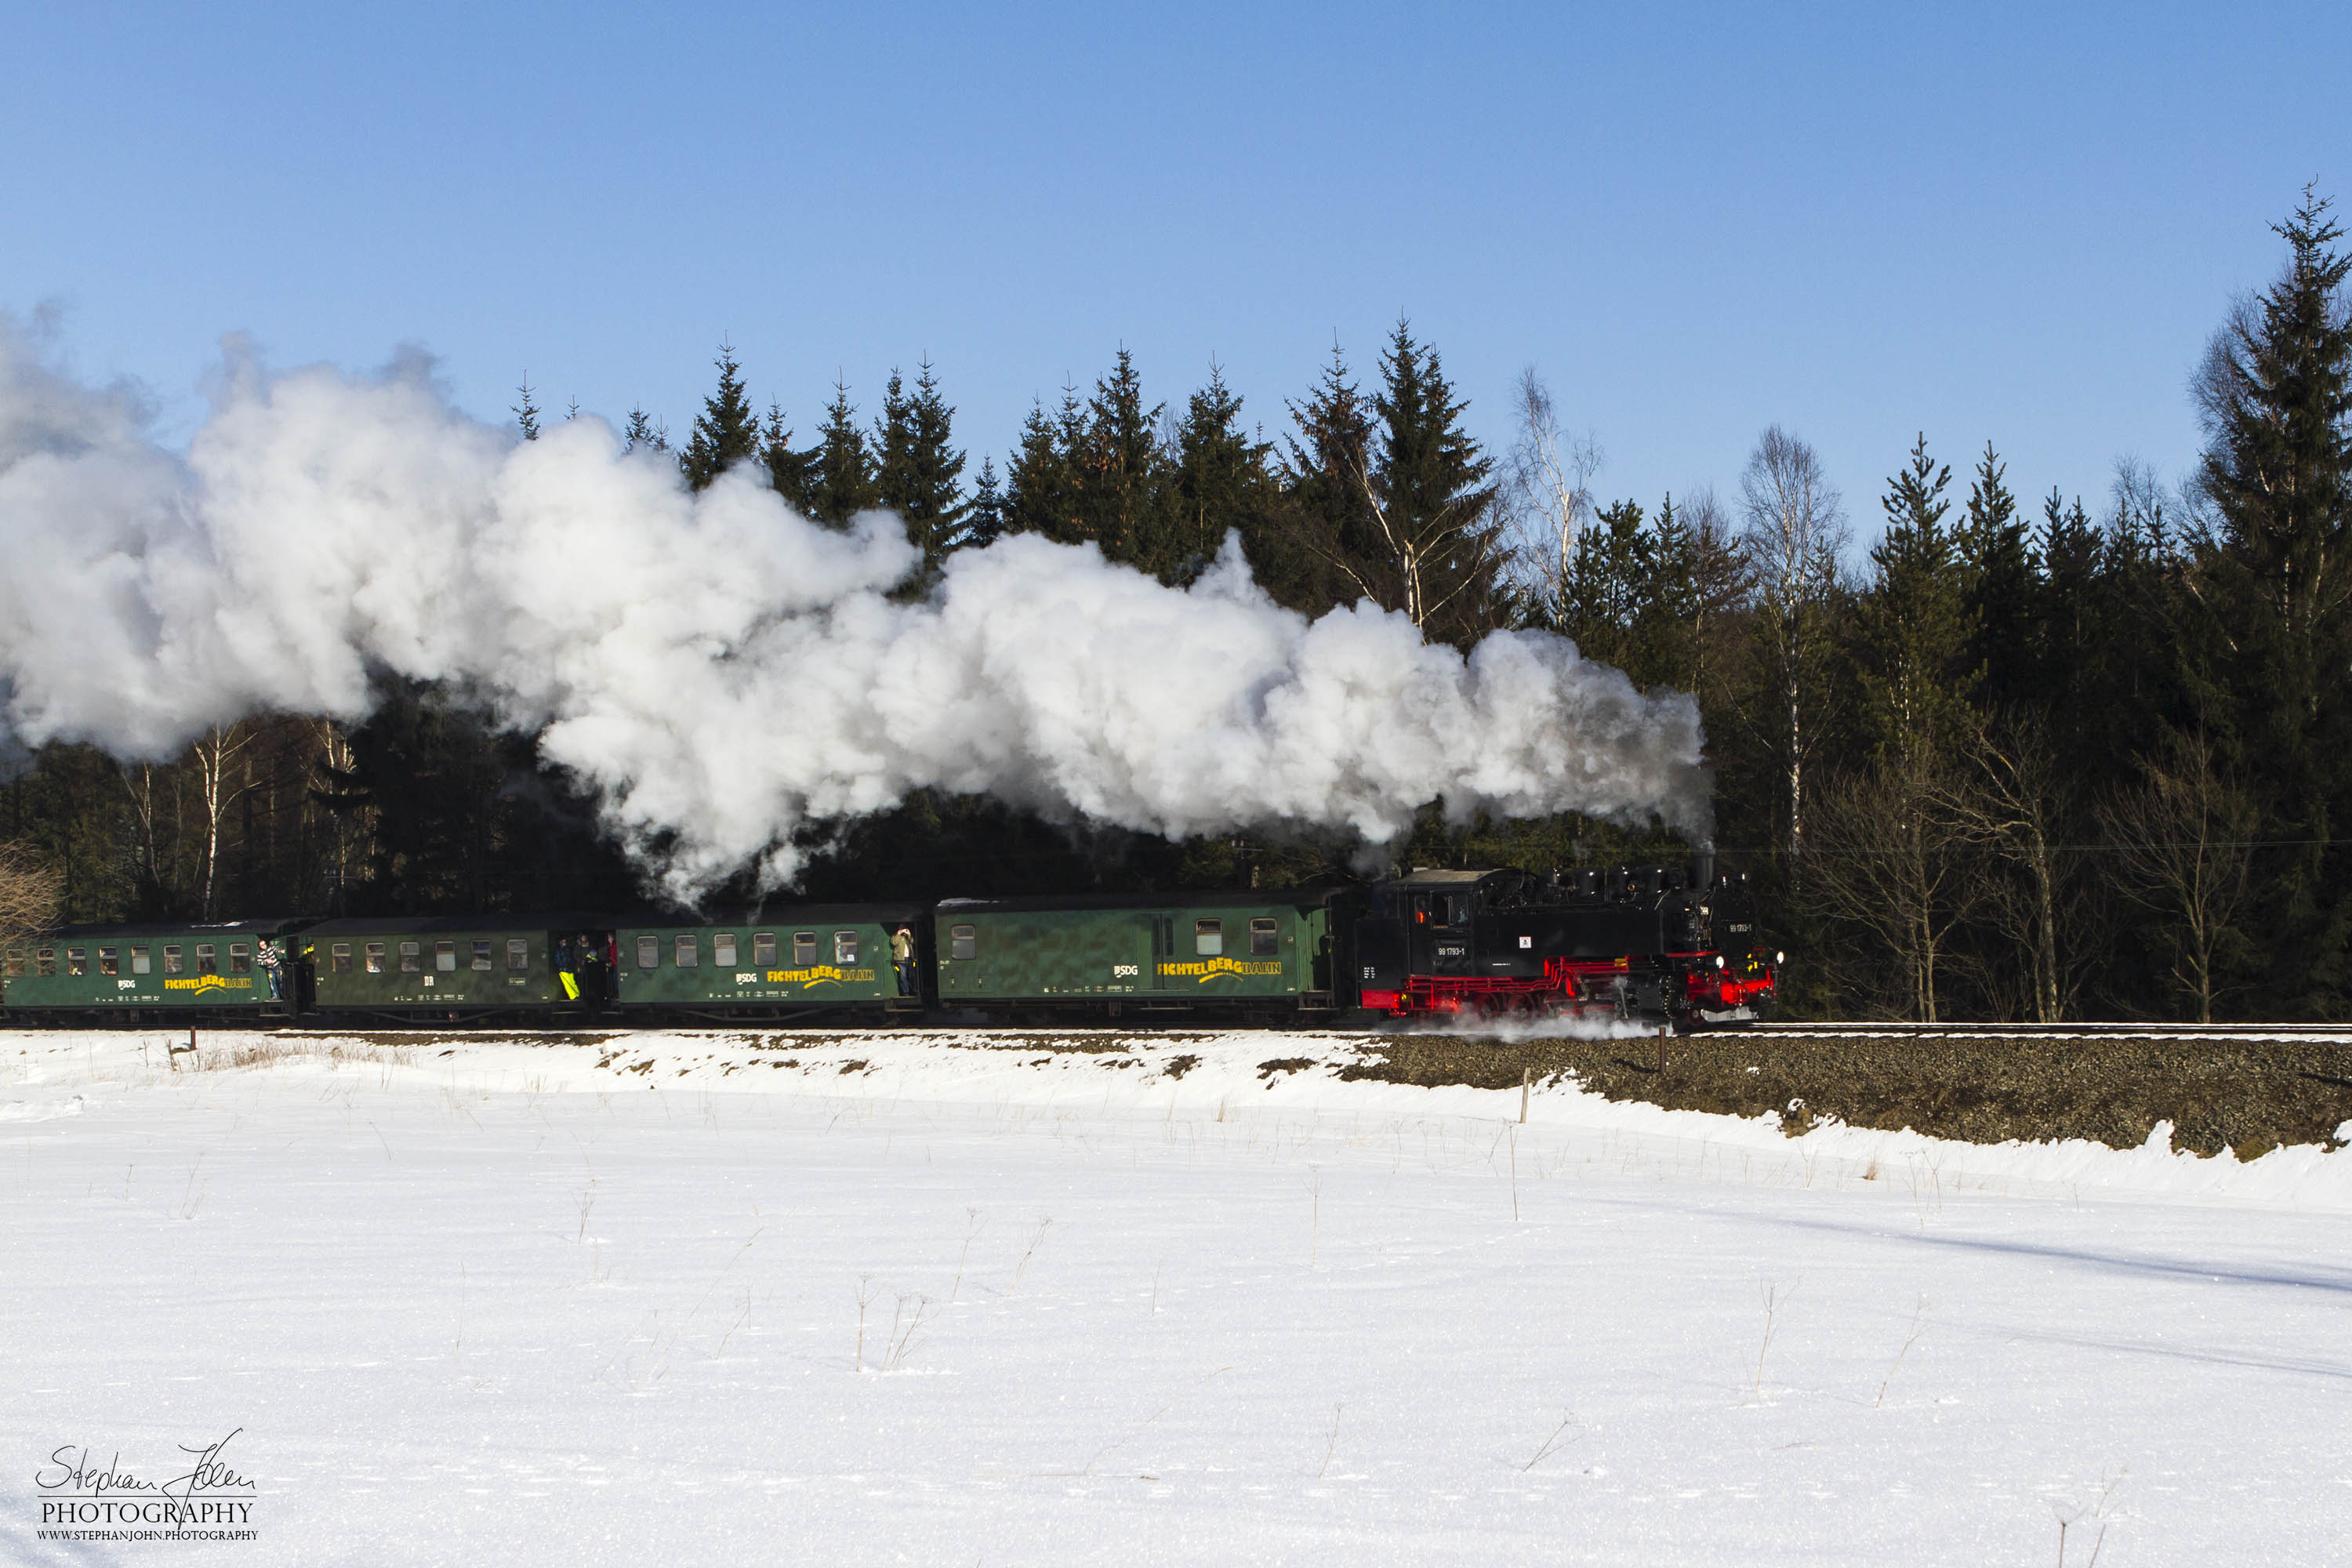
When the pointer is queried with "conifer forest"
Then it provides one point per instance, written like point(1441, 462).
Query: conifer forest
point(2029, 755)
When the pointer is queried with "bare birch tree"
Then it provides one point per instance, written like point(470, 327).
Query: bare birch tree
point(1548, 486)
point(1793, 526)
point(1437, 558)
point(1887, 858)
point(2011, 805)
point(2181, 844)
point(212, 755)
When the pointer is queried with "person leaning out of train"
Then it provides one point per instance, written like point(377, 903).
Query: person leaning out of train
point(265, 953)
point(902, 959)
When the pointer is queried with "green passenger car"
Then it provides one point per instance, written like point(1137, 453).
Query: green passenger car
point(459, 967)
point(152, 973)
point(774, 964)
point(1246, 949)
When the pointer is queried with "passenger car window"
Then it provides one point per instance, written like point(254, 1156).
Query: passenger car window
point(205, 960)
point(517, 953)
point(1208, 938)
point(106, 961)
point(13, 965)
point(722, 950)
point(171, 961)
point(1265, 937)
point(803, 948)
point(845, 947)
point(138, 962)
point(77, 961)
point(964, 941)
point(411, 958)
point(375, 958)
point(689, 953)
point(764, 948)
point(240, 958)
point(482, 955)
point(339, 958)
point(46, 961)
point(444, 956)
point(648, 953)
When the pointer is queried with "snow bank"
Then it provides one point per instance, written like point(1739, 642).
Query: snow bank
point(1218, 1073)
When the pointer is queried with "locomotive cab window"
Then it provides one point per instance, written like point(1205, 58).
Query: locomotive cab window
point(804, 948)
point(444, 957)
point(205, 960)
point(689, 953)
point(411, 958)
point(519, 954)
point(171, 961)
point(339, 958)
point(139, 961)
point(722, 950)
point(240, 958)
point(845, 947)
point(106, 961)
point(964, 941)
point(77, 961)
point(648, 953)
point(1208, 939)
point(375, 958)
point(482, 956)
point(763, 949)
point(1265, 937)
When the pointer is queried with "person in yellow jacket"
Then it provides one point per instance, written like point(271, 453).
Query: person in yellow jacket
point(902, 959)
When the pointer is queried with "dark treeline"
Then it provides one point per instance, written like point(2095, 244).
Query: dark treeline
point(2027, 758)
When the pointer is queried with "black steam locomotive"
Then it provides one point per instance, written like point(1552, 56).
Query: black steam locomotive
point(1658, 943)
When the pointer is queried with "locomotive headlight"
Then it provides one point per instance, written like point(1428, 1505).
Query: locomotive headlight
point(1718, 961)
point(1779, 958)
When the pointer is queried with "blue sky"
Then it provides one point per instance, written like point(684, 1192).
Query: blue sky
point(1860, 222)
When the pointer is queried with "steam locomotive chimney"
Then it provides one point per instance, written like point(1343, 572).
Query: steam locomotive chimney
point(1702, 870)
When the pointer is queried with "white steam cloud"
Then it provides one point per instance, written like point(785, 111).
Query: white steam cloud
point(720, 670)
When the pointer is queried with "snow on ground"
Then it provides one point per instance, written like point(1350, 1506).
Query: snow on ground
point(950, 1298)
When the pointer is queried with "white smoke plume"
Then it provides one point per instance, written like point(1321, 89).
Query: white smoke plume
point(722, 671)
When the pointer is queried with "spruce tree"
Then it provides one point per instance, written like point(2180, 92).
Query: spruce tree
point(1223, 480)
point(1915, 624)
point(1121, 475)
point(1337, 557)
point(726, 432)
point(2001, 589)
point(2276, 396)
point(640, 431)
point(841, 475)
point(918, 468)
point(1669, 606)
point(526, 413)
point(1436, 510)
point(984, 522)
point(1040, 488)
point(789, 469)
point(1604, 591)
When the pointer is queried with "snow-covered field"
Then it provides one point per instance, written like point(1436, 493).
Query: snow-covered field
point(717, 1298)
